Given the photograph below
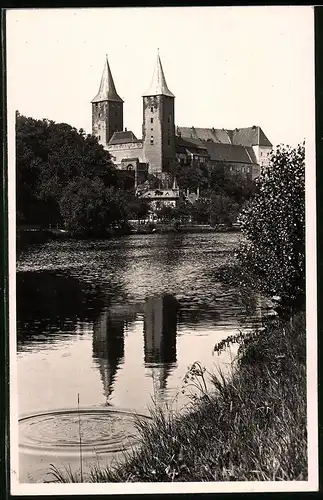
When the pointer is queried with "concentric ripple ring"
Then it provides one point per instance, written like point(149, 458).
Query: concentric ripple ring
point(59, 432)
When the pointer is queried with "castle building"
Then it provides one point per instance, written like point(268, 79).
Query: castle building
point(162, 143)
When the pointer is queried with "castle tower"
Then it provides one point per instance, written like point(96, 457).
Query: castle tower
point(158, 130)
point(107, 108)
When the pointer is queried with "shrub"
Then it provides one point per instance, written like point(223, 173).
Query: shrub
point(273, 222)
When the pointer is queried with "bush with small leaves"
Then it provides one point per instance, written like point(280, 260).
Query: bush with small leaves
point(274, 224)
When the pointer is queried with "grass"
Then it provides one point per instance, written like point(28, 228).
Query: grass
point(251, 426)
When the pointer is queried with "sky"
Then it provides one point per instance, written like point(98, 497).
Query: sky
point(227, 66)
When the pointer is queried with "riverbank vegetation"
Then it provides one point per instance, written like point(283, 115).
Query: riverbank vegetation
point(272, 259)
point(252, 425)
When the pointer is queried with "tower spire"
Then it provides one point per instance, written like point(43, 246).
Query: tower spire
point(158, 84)
point(107, 90)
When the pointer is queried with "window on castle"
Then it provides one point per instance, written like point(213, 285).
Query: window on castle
point(152, 109)
point(152, 140)
point(151, 120)
point(168, 141)
point(99, 137)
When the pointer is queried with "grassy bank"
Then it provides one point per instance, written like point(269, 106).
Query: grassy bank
point(251, 427)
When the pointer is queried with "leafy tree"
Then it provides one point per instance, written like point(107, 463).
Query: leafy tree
point(152, 182)
point(89, 208)
point(137, 208)
point(223, 209)
point(48, 156)
point(184, 210)
point(167, 213)
point(274, 224)
point(201, 211)
point(233, 184)
point(192, 175)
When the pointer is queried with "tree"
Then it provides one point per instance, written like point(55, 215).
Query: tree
point(166, 213)
point(90, 209)
point(233, 184)
point(48, 156)
point(201, 211)
point(223, 209)
point(274, 224)
point(192, 175)
point(137, 208)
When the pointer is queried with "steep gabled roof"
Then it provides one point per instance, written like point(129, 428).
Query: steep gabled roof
point(158, 84)
point(204, 134)
point(123, 137)
point(107, 90)
point(251, 153)
point(160, 194)
point(248, 136)
point(192, 145)
point(229, 153)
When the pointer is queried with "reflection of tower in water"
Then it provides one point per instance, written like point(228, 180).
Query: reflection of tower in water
point(108, 347)
point(160, 323)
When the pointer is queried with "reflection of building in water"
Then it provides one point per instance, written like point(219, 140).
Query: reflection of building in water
point(108, 347)
point(160, 322)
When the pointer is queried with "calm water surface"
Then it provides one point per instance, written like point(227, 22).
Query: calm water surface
point(117, 322)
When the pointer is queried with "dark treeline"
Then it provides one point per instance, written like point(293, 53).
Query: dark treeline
point(65, 178)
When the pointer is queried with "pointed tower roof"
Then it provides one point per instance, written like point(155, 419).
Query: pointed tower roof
point(107, 90)
point(175, 185)
point(158, 84)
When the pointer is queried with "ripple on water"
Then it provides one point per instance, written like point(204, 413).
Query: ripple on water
point(57, 432)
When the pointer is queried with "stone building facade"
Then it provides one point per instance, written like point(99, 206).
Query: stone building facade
point(163, 144)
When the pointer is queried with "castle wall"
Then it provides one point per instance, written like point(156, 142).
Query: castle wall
point(262, 154)
point(126, 150)
point(250, 170)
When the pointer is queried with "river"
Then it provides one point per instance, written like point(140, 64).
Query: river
point(116, 323)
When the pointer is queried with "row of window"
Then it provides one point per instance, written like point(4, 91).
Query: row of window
point(244, 170)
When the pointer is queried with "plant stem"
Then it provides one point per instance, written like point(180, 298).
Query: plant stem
point(78, 408)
